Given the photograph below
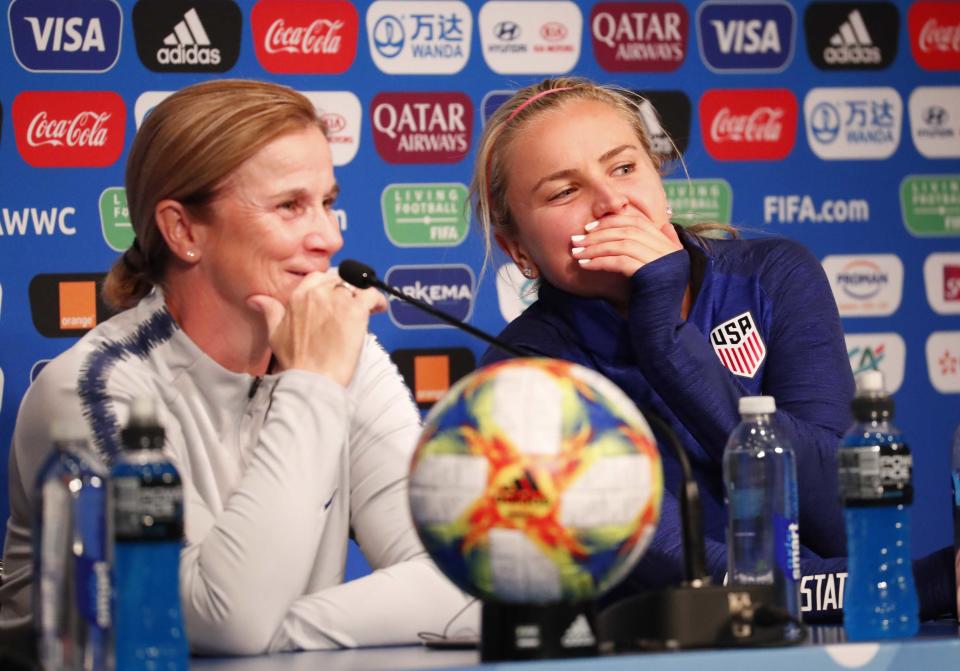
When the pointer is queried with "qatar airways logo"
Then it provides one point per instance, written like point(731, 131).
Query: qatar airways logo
point(639, 36)
point(934, 29)
point(422, 127)
point(69, 129)
point(757, 124)
point(305, 37)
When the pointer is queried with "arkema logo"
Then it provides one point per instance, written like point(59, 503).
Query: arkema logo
point(187, 36)
point(639, 36)
point(748, 124)
point(69, 129)
point(748, 37)
point(530, 37)
point(305, 37)
point(65, 36)
point(422, 127)
point(419, 38)
point(865, 285)
point(851, 35)
point(853, 123)
point(446, 287)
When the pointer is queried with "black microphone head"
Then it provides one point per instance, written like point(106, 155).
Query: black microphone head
point(358, 274)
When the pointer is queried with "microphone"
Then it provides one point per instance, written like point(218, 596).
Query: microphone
point(363, 276)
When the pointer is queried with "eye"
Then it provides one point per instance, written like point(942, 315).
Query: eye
point(625, 168)
point(292, 205)
point(328, 203)
point(562, 193)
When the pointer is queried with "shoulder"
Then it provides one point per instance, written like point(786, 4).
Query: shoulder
point(773, 260)
point(537, 329)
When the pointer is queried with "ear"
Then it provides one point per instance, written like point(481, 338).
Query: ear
point(183, 234)
point(519, 255)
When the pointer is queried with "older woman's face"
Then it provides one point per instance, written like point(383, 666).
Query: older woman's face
point(272, 222)
point(570, 166)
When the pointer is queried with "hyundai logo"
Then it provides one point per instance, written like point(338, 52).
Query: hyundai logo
point(507, 31)
point(935, 115)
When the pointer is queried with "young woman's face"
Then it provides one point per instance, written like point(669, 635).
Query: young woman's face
point(570, 166)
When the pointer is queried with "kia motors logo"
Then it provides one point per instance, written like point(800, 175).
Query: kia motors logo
point(852, 35)
point(865, 286)
point(69, 129)
point(935, 120)
point(748, 124)
point(508, 31)
point(417, 38)
point(65, 36)
point(304, 37)
point(67, 305)
point(187, 36)
point(941, 279)
point(853, 123)
point(639, 36)
point(553, 31)
point(448, 288)
point(340, 112)
point(935, 34)
point(530, 37)
point(422, 127)
point(750, 37)
point(429, 373)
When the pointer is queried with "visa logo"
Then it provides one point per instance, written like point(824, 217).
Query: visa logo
point(44, 222)
point(747, 37)
point(66, 35)
point(60, 34)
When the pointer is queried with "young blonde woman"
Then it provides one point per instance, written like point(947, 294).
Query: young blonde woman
point(566, 184)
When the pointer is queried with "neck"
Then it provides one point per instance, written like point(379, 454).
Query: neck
point(234, 338)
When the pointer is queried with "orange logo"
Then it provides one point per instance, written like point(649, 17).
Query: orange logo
point(431, 377)
point(78, 305)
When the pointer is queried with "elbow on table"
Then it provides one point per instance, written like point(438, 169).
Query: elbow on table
point(230, 636)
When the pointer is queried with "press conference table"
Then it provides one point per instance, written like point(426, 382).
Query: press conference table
point(937, 647)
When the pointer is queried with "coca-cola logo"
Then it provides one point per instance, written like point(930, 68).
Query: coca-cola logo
point(305, 37)
point(69, 129)
point(752, 124)
point(422, 127)
point(639, 36)
point(935, 35)
point(553, 31)
point(333, 122)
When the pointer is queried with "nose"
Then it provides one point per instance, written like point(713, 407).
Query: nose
point(607, 200)
point(324, 235)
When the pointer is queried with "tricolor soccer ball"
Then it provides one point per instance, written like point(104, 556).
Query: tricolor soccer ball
point(535, 481)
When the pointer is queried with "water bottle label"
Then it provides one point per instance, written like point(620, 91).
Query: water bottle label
point(147, 510)
point(93, 591)
point(787, 543)
point(876, 475)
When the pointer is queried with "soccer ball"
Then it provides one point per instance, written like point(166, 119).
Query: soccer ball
point(535, 481)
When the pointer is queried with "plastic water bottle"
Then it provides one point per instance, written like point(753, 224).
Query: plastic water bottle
point(880, 598)
point(71, 557)
point(148, 529)
point(763, 532)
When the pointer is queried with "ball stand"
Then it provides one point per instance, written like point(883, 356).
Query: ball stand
point(512, 631)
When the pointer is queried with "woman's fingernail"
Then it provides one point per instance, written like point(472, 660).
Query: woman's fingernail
point(576, 250)
point(584, 262)
point(577, 238)
point(592, 225)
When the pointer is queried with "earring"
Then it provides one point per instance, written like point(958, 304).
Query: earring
point(191, 254)
point(669, 211)
point(528, 273)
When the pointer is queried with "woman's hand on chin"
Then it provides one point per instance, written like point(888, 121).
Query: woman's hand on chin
point(322, 327)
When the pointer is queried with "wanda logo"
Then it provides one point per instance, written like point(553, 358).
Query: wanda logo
point(69, 129)
point(305, 37)
point(333, 122)
point(744, 125)
point(553, 31)
point(934, 29)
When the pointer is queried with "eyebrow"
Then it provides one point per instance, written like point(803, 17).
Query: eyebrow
point(559, 174)
point(299, 192)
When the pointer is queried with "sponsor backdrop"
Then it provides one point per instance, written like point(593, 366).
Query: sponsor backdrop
point(834, 123)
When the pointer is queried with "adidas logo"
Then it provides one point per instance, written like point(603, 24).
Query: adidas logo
point(852, 43)
point(188, 44)
point(522, 490)
point(578, 634)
